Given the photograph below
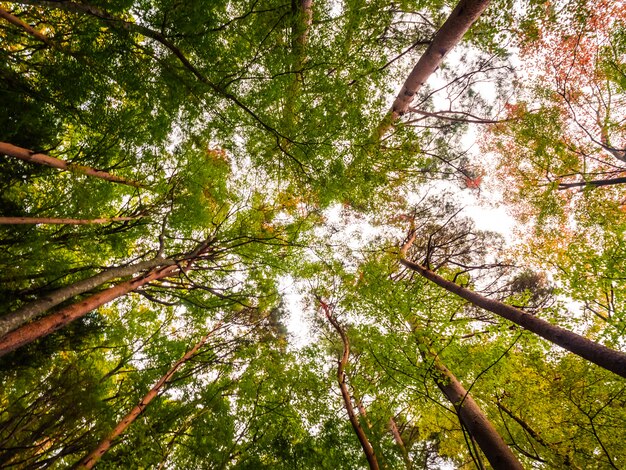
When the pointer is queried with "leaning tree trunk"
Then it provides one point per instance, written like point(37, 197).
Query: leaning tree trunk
point(17, 22)
point(473, 419)
point(593, 183)
point(448, 36)
point(54, 221)
point(28, 312)
point(608, 358)
point(397, 437)
point(42, 159)
point(368, 450)
point(57, 320)
point(105, 444)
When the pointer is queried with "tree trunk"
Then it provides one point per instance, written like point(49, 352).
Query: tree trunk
point(53, 221)
point(448, 36)
point(395, 432)
point(302, 14)
point(609, 359)
point(302, 26)
point(40, 158)
point(477, 424)
point(593, 183)
point(57, 320)
point(28, 312)
point(368, 450)
point(105, 444)
point(17, 22)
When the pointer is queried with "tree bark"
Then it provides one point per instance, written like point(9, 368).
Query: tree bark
point(448, 36)
point(498, 453)
point(368, 450)
point(105, 444)
point(302, 14)
point(54, 221)
point(609, 359)
point(42, 159)
point(57, 320)
point(397, 437)
point(32, 31)
point(593, 183)
point(28, 312)
point(305, 8)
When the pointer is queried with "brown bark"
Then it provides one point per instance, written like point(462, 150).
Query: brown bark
point(32, 31)
point(397, 437)
point(368, 450)
point(474, 420)
point(57, 320)
point(42, 159)
point(609, 359)
point(449, 35)
point(363, 413)
point(28, 312)
point(105, 444)
point(305, 8)
point(53, 221)
point(302, 18)
point(593, 183)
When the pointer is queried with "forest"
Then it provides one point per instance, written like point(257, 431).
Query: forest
point(313, 234)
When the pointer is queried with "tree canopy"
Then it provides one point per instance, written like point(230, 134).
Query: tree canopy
point(243, 235)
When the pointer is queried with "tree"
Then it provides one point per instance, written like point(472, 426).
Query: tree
point(27, 313)
point(368, 450)
point(33, 157)
point(473, 419)
point(39, 328)
point(95, 455)
point(261, 165)
point(610, 359)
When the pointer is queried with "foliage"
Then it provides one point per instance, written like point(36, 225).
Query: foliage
point(252, 128)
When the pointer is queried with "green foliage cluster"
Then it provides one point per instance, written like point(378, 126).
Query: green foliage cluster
point(249, 126)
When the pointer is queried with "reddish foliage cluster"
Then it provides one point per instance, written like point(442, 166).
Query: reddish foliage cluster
point(473, 183)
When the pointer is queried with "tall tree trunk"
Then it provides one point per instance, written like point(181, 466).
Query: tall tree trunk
point(477, 424)
point(449, 35)
point(593, 183)
point(368, 450)
point(397, 437)
point(306, 7)
point(53, 221)
point(105, 444)
point(42, 159)
point(609, 359)
point(620, 154)
point(26, 27)
point(302, 15)
point(303, 10)
point(57, 320)
point(28, 312)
